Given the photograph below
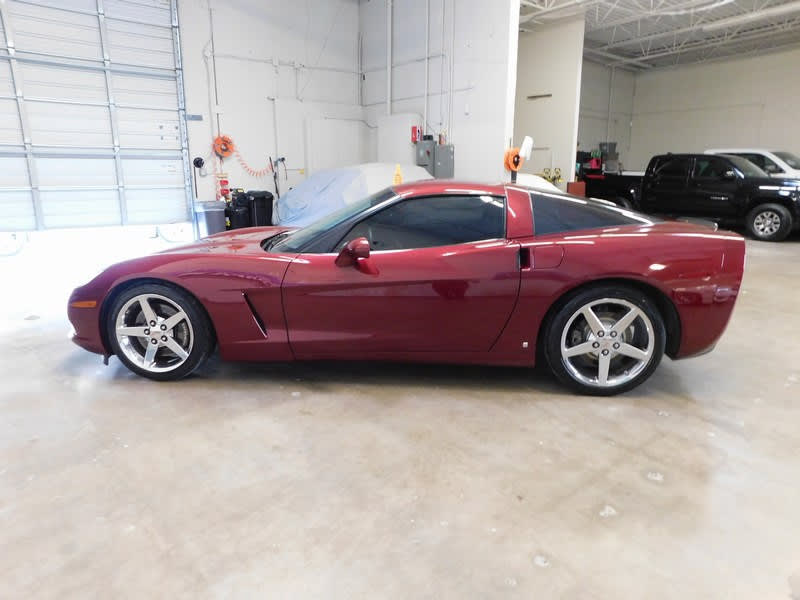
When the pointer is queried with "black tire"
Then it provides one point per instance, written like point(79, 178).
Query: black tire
point(194, 332)
point(567, 322)
point(623, 202)
point(769, 222)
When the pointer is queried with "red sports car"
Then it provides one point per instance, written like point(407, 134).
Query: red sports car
point(436, 271)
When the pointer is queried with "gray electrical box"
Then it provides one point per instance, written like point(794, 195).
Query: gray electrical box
point(425, 150)
point(443, 161)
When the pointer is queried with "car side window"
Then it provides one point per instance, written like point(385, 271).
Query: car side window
point(757, 159)
point(770, 166)
point(558, 214)
point(710, 168)
point(672, 167)
point(432, 221)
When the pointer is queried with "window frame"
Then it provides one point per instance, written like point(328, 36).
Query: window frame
point(386, 206)
point(663, 160)
point(729, 166)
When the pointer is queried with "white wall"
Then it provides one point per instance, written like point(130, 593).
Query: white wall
point(745, 102)
point(549, 62)
point(597, 86)
point(479, 120)
point(304, 55)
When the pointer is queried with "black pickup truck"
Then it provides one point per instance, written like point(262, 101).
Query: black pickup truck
point(727, 189)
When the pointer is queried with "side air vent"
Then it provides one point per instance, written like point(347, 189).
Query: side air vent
point(259, 321)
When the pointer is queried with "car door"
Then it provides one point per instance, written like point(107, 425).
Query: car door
point(712, 188)
point(441, 277)
point(664, 190)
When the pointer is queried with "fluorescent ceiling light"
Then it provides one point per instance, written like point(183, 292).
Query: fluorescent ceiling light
point(767, 13)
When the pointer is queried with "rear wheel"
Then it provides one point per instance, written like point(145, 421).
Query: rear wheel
point(159, 331)
point(769, 222)
point(605, 340)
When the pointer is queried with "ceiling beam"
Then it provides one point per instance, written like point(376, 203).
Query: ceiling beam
point(568, 4)
point(635, 16)
point(619, 60)
point(654, 36)
point(701, 44)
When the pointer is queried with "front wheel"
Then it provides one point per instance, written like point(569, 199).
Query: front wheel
point(769, 222)
point(159, 331)
point(605, 340)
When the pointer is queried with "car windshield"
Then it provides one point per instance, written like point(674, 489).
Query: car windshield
point(790, 159)
point(745, 166)
point(294, 241)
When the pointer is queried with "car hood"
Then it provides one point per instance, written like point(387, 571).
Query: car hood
point(238, 241)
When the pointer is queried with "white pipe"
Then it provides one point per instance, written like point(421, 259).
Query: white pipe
point(212, 105)
point(452, 73)
point(610, 98)
point(427, 62)
point(403, 63)
point(274, 101)
point(388, 57)
point(441, 77)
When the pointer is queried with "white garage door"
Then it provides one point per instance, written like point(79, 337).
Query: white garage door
point(92, 120)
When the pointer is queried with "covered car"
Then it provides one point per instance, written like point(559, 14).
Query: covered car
point(327, 191)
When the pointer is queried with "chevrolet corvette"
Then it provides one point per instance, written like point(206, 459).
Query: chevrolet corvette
point(433, 271)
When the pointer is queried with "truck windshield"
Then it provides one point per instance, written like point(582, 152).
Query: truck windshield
point(745, 166)
point(790, 159)
point(295, 240)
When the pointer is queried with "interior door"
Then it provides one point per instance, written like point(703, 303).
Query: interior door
point(412, 294)
point(712, 189)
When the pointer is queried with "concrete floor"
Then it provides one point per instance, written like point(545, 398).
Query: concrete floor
point(395, 481)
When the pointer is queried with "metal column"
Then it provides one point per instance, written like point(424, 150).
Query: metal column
point(112, 111)
point(187, 169)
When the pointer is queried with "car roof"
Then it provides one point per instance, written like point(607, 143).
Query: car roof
point(449, 186)
point(676, 155)
point(731, 150)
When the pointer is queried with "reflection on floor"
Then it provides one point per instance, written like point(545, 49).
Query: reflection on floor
point(348, 481)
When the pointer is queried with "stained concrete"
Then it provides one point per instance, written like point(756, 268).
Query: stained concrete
point(396, 481)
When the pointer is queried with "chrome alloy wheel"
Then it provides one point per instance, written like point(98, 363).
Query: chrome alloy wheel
point(607, 343)
point(767, 223)
point(154, 332)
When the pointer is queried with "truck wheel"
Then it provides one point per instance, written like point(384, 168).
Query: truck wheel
point(623, 202)
point(769, 222)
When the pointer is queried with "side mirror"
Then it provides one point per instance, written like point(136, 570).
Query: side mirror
point(729, 174)
point(352, 252)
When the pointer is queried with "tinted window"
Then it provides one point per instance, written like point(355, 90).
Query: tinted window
point(672, 167)
point(433, 221)
point(554, 214)
point(789, 158)
point(710, 167)
point(757, 159)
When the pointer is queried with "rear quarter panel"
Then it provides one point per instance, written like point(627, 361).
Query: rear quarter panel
point(698, 271)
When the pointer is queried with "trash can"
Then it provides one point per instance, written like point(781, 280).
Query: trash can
point(210, 217)
point(260, 207)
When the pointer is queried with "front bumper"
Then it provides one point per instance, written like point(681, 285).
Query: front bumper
point(86, 325)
